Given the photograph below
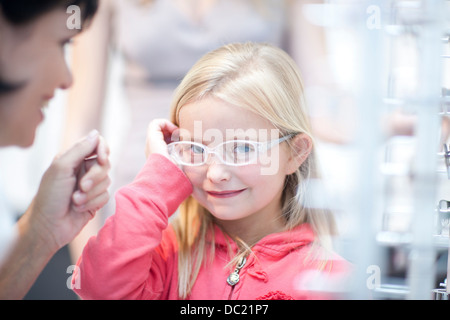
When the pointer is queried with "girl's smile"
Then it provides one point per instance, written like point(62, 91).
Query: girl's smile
point(226, 193)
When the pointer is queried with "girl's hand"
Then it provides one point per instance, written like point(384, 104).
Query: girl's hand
point(159, 135)
point(71, 191)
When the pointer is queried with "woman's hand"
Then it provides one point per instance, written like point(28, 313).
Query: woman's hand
point(159, 134)
point(71, 191)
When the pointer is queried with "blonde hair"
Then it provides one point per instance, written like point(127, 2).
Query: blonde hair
point(265, 80)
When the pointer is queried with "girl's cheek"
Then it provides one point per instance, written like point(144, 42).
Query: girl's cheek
point(270, 164)
point(195, 175)
point(247, 176)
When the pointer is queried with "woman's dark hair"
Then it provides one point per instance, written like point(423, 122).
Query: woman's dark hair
point(23, 11)
point(20, 12)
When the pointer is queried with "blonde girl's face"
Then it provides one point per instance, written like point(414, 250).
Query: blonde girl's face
point(250, 194)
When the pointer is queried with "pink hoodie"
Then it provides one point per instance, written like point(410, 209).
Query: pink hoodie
point(134, 255)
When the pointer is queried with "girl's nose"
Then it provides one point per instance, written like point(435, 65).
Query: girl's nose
point(217, 171)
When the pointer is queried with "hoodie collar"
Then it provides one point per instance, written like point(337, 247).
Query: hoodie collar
point(275, 244)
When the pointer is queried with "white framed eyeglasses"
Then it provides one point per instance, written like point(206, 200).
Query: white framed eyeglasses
point(232, 153)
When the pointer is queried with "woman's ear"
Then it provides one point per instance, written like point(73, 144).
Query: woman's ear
point(301, 147)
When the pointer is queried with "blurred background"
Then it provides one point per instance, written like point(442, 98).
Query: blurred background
point(376, 77)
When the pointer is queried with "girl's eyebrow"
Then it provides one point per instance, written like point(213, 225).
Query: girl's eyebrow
point(190, 138)
point(181, 138)
point(246, 137)
point(235, 138)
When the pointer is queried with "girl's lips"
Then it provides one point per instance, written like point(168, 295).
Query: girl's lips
point(225, 194)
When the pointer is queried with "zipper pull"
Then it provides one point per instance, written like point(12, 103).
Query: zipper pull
point(233, 278)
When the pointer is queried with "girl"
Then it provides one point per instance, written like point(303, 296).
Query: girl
point(239, 166)
point(159, 41)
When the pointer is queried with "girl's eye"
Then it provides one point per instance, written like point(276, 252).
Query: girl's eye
point(197, 149)
point(243, 148)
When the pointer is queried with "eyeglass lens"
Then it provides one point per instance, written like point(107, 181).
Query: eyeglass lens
point(230, 152)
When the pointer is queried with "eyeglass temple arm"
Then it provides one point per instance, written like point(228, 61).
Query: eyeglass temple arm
point(278, 141)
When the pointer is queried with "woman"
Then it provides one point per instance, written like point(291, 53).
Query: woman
point(32, 66)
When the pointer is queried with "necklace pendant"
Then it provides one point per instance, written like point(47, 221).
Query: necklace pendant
point(233, 278)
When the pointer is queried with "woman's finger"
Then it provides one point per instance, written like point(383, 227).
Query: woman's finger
point(95, 174)
point(73, 157)
point(103, 152)
point(79, 198)
point(94, 204)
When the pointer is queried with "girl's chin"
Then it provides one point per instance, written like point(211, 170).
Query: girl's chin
point(222, 214)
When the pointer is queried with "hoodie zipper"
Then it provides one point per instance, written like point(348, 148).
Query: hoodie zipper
point(233, 278)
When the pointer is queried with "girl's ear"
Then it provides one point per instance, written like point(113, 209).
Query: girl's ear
point(301, 147)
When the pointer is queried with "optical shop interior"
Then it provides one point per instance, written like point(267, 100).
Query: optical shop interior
point(217, 149)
